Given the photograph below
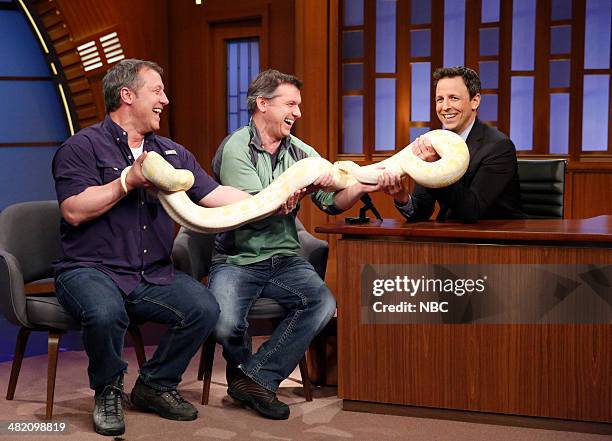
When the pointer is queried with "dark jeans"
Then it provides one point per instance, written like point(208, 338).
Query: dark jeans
point(293, 283)
point(105, 313)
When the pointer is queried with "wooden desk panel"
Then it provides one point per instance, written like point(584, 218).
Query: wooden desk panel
point(557, 371)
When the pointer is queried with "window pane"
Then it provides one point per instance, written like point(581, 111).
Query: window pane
point(489, 73)
point(454, 32)
point(490, 11)
point(559, 73)
point(561, 9)
point(489, 41)
point(353, 12)
point(352, 76)
point(560, 39)
point(595, 116)
point(420, 11)
point(31, 112)
point(352, 135)
point(415, 132)
point(420, 88)
point(597, 34)
point(352, 44)
point(420, 43)
point(385, 36)
point(242, 67)
point(521, 112)
point(488, 107)
point(20, 53)
point(385, 114)
point(559, 123)
point(523, 34)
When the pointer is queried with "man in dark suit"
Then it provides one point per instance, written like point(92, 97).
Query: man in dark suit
point(490, 188)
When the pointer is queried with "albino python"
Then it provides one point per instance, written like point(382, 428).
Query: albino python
point(172, 183)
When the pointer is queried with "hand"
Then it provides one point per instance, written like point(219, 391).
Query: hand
point(135, 178)
point(324, 181)
point(289, 205)
point(423, 149)
point(393, 185)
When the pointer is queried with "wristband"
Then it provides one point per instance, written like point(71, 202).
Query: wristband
point(123, 176)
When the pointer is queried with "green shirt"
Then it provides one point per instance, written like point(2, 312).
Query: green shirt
point(242, 162)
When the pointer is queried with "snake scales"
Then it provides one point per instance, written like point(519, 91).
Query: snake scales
point(172, 183)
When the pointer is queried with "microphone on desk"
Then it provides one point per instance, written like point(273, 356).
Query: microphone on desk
point(363, 211)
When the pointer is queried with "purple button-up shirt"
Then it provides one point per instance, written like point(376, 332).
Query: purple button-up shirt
point(133, 240)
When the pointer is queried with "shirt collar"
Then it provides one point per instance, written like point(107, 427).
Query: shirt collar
point(464, 135)
point(256, 137)
point(118, 133)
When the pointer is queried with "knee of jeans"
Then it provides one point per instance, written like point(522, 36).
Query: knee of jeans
point(228, 328)
point(206, 310)
point(327, 303)
point(105, 316)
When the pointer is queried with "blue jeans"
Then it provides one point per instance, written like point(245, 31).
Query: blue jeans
point(292, 282)
point(105, 313)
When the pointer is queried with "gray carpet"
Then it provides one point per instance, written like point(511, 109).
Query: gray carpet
point(222, 419)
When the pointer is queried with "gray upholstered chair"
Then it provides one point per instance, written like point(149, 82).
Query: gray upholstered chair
point(192, 254)
point(542, 184)
point(29, 243)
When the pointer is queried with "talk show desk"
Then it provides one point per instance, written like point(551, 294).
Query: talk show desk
point(557, 371)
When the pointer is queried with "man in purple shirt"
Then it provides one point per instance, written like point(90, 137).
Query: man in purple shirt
point(116, 242)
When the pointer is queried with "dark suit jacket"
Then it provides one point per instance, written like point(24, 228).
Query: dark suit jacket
point(488, 190)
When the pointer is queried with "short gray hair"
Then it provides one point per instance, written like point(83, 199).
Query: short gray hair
point(124, 74)
point(265, 84)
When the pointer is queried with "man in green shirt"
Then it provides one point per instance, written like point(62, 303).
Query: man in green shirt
point(261, 259)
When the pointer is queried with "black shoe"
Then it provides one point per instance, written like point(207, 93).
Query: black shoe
point(257, 397)
point(167, 404)
point(108, 410)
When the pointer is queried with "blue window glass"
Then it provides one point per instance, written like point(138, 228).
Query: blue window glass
point(559, 123)
point(488, 107)
point(420, 91)
point(559, 73)
point(353, 12)
point(595, 116)
point(454, 32)
point(523, 34)
point(33, 105)
point(561, 9)
point(490, 11)
point(415, 132)
point(385, 114)
point(489, 74)
point(420, 11)
point(385, 35)
point(17, 44)
point(420, 43)
point(489, 41)
point(352, 76)
point(352, 44)
point(597, 34)
point(521, 112)
point(27, 169)
point(560, 39)
point(352, 136)
point(242, 67)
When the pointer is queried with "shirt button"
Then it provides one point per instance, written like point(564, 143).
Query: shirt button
point(129, 157)
point(118, 140)
point(141, 202)
point(144, 227)
point(142, 273)
point(144, 251)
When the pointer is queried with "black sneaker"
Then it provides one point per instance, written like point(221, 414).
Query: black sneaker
point(108, 410)
point(257, 397)
point(167, 404)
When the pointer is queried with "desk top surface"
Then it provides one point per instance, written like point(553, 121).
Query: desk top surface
point(595, 229)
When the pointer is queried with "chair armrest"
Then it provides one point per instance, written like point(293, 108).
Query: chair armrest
point(12, 293)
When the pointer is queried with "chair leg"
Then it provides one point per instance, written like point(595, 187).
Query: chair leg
point(138, 344)
point(202, 360)
point(305, 379)
point(53, 350)
point(20, 345)
point(206, 366)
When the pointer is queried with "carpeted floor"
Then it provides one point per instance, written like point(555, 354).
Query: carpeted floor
point(222, 419)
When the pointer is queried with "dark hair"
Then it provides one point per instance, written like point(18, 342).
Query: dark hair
point(265, 84)
point(470, 77)
point(124, 74)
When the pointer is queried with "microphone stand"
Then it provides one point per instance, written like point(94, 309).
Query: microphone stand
point(363, 211)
